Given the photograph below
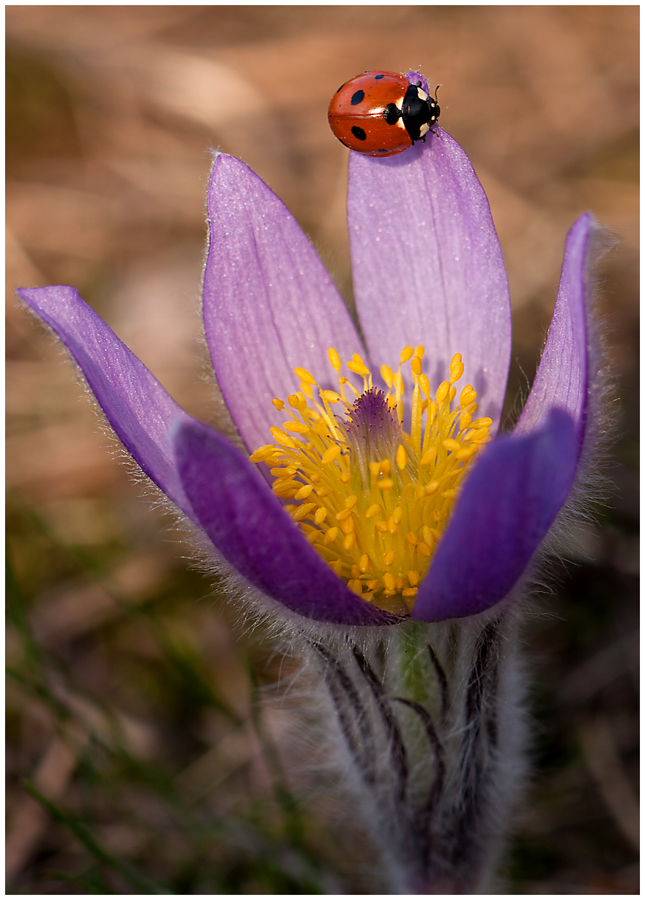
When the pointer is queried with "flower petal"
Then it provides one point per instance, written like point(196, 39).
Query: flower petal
point(562, 377)
point(250, 528)
point(507, 506)
point(269, 304)
point(137, 407)
point(427, 265)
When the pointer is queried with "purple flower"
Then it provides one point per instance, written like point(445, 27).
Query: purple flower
point(403, 504)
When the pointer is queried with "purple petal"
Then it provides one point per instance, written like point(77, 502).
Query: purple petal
point(562, 377)
point(139, 410)
point(250, 528)
point(507, 506)
point(415, 78)
point(269, 304)
point(427, 265)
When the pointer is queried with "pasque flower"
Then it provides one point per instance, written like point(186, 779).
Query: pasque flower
point(375, 483)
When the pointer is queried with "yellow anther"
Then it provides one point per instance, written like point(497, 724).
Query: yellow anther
point(415, 365)
point(349, 541)
point(435, 534)
point(334, 359)
point(313, 536)
point(465, 421)
point(442, 391)
point(330, 455)
point(286, 488)
point(423, 549)
point(303, 511)
point(351, 501)
point(337, 566)
point(331, 535)
point(468, 394)
point(297, 427)
point(322, 492)
point(348, 525)
point(480, 435)
point(330, 396)
point(413, 577)
point(450, 494)
point(262, 453)
point(356, 572)
point(388, 581)
point(467, 452)
point(281, 438)
point(355, 585)
point(424, 384)
point(406, 354)
point(306, 389)
point(386, 466)
point(431, 488)
point(389, 557)
point(358, 366)
point(401, 457)
point(279, 404)
point(321, 515)
point(456, 372)
point(397, 514)
point(452, 393)
point(411, 538)
point(373, 584)
point(386, 375)
point(304, 375)
point(428, 537)
point(345, 477)
point(372, 511)
point(385, 484)
point(297, 401)
point(375, 469)
point(381, 526)
point(451, 445)
point(420, 351)
point(283, 471)
point(304, 492)
point(343, 514)
point(364, 563)
point(392, 525)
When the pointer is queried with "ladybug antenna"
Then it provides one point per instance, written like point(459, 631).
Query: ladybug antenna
point(435, 91)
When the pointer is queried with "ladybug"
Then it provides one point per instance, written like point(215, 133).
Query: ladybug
point(381, 113)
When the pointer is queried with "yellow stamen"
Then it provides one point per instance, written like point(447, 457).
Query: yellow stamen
point(388, 493)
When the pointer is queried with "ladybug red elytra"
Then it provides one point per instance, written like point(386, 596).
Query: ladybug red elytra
point(381, 113)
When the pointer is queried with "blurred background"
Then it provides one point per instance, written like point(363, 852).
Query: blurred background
point(138, 759)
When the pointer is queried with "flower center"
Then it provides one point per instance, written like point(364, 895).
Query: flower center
point(372, 498)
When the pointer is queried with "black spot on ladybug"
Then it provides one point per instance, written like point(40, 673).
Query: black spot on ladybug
point(357, 97)
point(378, 77)
point(358, 133)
